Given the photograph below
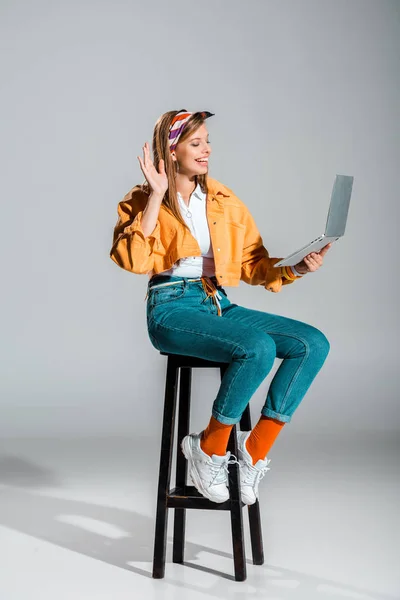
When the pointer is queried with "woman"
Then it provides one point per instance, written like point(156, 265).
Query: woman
point(192, 235)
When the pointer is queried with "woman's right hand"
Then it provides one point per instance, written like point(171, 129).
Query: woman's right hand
point(157, 181)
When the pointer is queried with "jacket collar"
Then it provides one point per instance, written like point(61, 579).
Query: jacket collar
point(215, 187)
point(196, 192)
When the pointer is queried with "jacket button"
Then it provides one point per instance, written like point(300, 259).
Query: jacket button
point(218, 249)
point(215, 222)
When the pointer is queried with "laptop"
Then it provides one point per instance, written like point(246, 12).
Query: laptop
point(335, 223)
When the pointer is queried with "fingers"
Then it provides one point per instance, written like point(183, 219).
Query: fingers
point(325, 249)
point(146, 154)
point(140, 163)
point(142, 166)
point(146, 162)
point(313, 261)
point(308, 262)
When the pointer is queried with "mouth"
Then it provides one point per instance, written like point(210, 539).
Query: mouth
point(202, 161)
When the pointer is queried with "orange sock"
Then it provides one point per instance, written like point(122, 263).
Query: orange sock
point(215, 437)
point(262, 437)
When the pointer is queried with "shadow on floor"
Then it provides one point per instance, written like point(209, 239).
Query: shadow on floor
point(122, 538)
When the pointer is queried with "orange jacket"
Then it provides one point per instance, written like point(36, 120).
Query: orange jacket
point(239, 253)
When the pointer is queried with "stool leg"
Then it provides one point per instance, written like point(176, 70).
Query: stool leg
point(239, 557)
point(160, 537)
point(185, 383)
point(254, 509)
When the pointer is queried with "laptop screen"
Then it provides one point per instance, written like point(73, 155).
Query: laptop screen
point(339, 206)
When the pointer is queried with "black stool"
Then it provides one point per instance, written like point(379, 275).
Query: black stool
point(184, 496)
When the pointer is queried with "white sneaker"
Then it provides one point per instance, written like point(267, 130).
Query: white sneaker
point(208, 473)
point(250, 475)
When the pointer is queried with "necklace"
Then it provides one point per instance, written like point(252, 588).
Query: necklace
point(188, 214)
point(187, 210)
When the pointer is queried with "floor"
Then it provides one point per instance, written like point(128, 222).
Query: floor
point(77, 522)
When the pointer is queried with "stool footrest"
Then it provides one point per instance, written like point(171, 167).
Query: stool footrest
point(190, 497)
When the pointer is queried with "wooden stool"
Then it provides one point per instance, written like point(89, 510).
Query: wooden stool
point(184, 496)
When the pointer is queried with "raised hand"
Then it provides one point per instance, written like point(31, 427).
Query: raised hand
point(158, 181)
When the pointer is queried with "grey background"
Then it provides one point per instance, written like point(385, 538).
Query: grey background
point(300, 91)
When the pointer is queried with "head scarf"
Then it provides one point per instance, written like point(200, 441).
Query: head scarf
point(178, 125)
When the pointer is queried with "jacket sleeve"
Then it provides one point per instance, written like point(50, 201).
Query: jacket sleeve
point(131, 249)
point(257, 264)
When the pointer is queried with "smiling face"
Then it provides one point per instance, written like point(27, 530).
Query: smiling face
point(189, 152)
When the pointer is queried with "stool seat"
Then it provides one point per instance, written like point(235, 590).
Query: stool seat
point(183, 496)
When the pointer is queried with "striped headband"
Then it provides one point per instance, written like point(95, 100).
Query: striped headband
point(178, 125)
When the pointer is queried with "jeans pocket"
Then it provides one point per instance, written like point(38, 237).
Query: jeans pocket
point(166, 294)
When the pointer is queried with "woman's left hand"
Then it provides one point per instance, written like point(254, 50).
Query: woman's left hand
point(312, 261)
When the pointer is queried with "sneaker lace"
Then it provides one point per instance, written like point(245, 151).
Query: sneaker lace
point(251, 475)
point(220, 472)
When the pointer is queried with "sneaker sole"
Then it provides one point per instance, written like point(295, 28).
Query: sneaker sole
point(187, 451)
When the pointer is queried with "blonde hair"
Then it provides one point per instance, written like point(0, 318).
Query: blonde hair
point(161, 150)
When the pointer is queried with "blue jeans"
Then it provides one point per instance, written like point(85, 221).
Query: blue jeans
point(181, 319)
